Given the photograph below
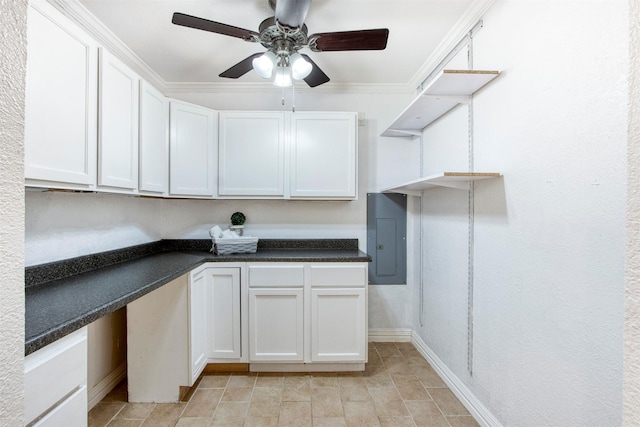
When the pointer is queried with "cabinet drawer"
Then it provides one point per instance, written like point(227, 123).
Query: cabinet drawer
point(276, 276)
point(53, 372)
point(70, 413)
point(347, 275)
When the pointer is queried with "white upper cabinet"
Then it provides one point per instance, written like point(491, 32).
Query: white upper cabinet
point(192, 152)
point(118, 126)
point(154, 141)
point(61, 102)
point(324, 155)
point(303, 155)
point(251, 150)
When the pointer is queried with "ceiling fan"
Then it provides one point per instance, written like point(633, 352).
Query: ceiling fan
point(284, 34)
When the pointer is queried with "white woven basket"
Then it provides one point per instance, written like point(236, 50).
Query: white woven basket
point(240, 245)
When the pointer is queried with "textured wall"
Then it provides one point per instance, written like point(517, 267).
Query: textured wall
point(548, 289)
point(12, 76)
point(632, 296)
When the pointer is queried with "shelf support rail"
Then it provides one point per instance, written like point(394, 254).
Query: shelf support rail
point(466, 39)
point(471, 218)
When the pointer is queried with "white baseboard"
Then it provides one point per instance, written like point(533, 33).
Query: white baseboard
point(483, 416)
point(100, 390)
point(389, 335)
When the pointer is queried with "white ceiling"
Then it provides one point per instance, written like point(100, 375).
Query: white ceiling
point(180, 55)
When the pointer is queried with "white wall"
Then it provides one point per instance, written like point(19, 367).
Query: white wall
point(13, 16)
point(632, 294)
point(549, 237)
point(62, 225)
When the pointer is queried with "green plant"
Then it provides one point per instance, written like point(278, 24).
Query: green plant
point(238, 218)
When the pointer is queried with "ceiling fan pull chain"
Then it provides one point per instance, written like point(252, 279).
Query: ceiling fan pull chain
point(293, 98)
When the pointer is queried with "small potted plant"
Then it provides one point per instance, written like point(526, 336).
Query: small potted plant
point(237, 222)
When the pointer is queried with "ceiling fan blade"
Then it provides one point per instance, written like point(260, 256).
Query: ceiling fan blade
point(292, 13)
point(349, 40)
point(214, 27)
point(317, 76)
point(241, 68)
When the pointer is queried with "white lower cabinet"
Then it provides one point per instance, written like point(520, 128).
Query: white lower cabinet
point(197, 323)
point(215, 326)
point(55, 383)
point(222, 298)
point(338, 325)
point(307, 313)
point(276, 325)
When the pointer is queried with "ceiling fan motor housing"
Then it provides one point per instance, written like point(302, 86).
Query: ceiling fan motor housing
point(272, 32)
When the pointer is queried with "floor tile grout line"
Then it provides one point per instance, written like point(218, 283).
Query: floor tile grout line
point(115, 415)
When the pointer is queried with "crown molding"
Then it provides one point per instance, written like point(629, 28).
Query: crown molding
point(240, 87)
point(77, 12)
point(472, 15)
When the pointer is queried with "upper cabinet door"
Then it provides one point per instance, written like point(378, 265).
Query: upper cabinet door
point(324, 155)
point(61, 102)
point(154, 140)
point(118, 126)
point(251, 148)
point(192, 152)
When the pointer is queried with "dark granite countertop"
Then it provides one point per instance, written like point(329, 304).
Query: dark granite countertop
point(67, 295)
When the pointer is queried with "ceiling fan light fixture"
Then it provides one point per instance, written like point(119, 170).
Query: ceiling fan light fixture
point(300, 67)
point(283, 77)
point(264, 64)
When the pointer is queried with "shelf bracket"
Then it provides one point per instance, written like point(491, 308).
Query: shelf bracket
point(406, 132)
point(457, 185)
point(407, 192)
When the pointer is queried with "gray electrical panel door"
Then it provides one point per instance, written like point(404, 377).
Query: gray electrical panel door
point(387, 238)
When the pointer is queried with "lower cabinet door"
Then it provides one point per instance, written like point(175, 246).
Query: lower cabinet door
point(197, 325)
point(223, 313)
point(338, 325)
point(276, 325)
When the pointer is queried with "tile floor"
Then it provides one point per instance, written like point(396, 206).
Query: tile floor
point(398, 388)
